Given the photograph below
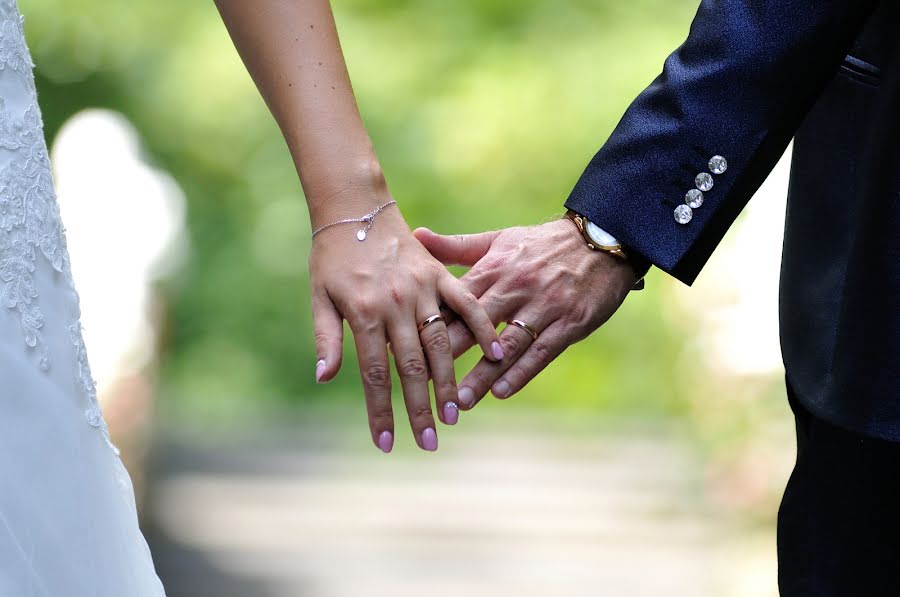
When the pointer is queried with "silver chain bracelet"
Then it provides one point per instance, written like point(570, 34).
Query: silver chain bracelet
point(368, 219)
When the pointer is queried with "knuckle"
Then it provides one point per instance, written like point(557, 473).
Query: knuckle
point(412, 367)
point(512, 343)
point(428, 274)
point(382, 414)
point(421, 411)
point(542, 351)
point(366, 307)
point(377, 376)
point(438, 341)
point(322, 339)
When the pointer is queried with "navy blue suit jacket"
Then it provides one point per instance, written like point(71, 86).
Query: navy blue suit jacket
point(751, 75)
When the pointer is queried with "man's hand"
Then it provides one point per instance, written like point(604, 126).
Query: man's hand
point(545, 276)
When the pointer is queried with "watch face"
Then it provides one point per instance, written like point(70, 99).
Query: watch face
point(600, 236)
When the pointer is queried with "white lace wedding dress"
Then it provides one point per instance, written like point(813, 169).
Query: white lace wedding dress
point(68, 526)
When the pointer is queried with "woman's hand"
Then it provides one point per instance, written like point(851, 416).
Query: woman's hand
point(385, 287)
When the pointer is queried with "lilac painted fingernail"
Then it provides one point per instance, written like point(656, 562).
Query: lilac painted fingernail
point(497, 351)
point(501, 389)
point(320, 370)
point(386, 442)
point(466, 397)
point(451, 413)
point(429, 440)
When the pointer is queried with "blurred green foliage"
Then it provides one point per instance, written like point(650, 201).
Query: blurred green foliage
point(484, 113)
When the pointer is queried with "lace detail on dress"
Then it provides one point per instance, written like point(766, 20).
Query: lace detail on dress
point(13, 50)
point(30, 224)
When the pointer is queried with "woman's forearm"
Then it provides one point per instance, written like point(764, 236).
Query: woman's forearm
point(388, 288)
point(291, 49)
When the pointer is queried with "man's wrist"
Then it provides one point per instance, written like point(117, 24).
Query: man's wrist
point(600, 240)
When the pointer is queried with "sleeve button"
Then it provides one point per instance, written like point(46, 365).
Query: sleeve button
point(694, 198)
point(704, 181)
point(718, 164)
point(683, 214)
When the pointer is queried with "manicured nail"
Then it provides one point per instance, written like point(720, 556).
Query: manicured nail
point(320, 370)
point(451, 413)
point(501, 389)
point(386, 442)
point(429, 440)
point(497, 351)
point(466, 397)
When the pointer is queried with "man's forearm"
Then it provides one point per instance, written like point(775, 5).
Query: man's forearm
point(738, 87)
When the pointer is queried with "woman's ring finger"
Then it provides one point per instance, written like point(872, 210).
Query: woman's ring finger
point(429, 321)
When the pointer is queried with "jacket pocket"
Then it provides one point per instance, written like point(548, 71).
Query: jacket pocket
point(860, 70)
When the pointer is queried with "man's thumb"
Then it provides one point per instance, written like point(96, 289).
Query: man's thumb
point(457, 249)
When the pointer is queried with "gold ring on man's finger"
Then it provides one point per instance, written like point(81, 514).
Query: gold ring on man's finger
point(521, 324)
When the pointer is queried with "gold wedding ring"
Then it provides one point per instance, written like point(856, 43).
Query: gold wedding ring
point(429, 321)
point(521, 324)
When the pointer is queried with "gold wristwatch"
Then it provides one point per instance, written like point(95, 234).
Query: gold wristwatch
point(599, 239)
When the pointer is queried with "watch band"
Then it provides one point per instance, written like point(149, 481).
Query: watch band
point(639, 264)
point(582, 223)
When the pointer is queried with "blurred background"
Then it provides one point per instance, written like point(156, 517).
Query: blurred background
point(647, 460)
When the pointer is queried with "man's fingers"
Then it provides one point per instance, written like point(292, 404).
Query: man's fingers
point(476, 384)
point(413, 371)
point(459, 249)
point(549, 345)
point(473, 314)
point(371, 346)
point(328, 329)
point(497, 305)
point(461, 339)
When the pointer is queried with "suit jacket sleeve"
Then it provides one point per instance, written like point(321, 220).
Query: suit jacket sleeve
point(738, 87)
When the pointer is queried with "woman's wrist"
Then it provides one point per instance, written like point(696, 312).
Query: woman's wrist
point(366, 222)
point(350, 191)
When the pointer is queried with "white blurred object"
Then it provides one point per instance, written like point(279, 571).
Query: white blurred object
point(125, 229)
point(738, 291)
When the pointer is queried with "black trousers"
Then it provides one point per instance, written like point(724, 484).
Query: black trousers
point(839, 521)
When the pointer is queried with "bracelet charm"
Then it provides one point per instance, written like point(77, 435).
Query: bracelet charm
point(368, 220)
